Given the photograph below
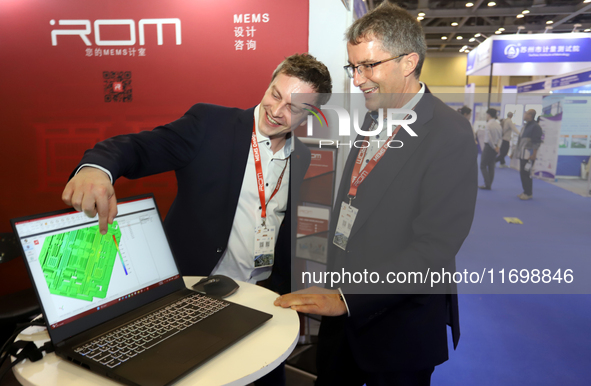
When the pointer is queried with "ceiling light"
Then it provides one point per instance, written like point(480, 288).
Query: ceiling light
point(587, 30)
point(492, 4)
point(472, 39)
point(497, 32)
point(444, 38)
point(461, 50)
point(420, 18)
point(587, 1)
point(469, 5)
point(501, 29)
point(477, 35)
point(422, 14)
point(459, 37)
point(520, 16)
point(549, 22)
point(454, 24)
point(525, 11)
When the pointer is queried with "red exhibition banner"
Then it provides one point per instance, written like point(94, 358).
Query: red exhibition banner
point(76, 72)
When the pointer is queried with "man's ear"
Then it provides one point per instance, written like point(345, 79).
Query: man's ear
point(410, 62)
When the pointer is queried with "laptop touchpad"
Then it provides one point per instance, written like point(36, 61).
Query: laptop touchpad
point(168, 360)
point(193, 347)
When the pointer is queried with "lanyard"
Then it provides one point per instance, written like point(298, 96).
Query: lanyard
point(356, 177)
point(259, 175)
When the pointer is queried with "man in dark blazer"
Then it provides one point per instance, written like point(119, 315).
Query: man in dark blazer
point(412, 209)
point(208, 148)
point(223, 158)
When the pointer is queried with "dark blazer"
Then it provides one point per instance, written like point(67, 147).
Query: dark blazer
point(208, 150)
point(415, 210)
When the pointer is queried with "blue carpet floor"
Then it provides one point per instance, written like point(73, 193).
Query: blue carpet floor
point(519, 339)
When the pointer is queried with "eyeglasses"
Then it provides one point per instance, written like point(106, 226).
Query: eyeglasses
point(366, 70)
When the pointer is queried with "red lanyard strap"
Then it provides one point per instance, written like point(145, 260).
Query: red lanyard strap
point(356, 177)
point(259, 175)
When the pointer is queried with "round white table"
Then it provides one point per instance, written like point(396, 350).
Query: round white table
point(242, 363)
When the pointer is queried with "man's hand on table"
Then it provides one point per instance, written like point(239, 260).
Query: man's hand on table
point(314, 300)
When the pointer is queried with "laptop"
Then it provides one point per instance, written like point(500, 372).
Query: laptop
point(116, 304)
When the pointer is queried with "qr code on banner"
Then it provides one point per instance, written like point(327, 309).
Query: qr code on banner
point(117, 85)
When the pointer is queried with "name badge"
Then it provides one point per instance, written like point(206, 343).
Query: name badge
point(264, 246)
point(346, 219)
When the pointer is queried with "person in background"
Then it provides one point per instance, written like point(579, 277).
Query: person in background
point(508, 129)
point(493, 134)
point(527, 149)
point(466, 112)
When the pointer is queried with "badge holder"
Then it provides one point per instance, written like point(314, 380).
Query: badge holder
point(346, 220)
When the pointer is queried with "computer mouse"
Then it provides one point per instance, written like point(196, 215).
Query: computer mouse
point(217, 286)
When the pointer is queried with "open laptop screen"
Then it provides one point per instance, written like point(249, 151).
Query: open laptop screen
point(78, 272)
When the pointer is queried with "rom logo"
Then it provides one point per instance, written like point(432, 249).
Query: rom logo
point(130, 23)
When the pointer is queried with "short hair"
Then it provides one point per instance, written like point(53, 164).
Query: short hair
point(492, 112)
point(509, 114)
point(533, 113)
point(398, 31)
point(308, 69)
point(465, 110)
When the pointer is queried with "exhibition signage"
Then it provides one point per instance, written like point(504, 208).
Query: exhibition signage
point(532, 87)
point(571, 80)
point(529, 48)
point(565, 83)
point(479, 57)
point(77, 72)
point(519, 50)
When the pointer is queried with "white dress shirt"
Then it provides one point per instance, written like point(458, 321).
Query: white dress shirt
point(238, 259)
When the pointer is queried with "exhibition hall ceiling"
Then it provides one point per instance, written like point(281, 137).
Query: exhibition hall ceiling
point(445, 22)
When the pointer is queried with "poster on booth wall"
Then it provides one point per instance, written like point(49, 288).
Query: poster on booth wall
point(77, 72)
point(575, 129)
point(313, 218)
point(313, 223)
point(321, 162)
point(550, 122)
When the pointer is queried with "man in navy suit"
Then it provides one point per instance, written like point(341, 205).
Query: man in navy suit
point(401, 209)
point(234, 169)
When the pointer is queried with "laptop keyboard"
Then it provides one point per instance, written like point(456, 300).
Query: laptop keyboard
point(120, 345)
